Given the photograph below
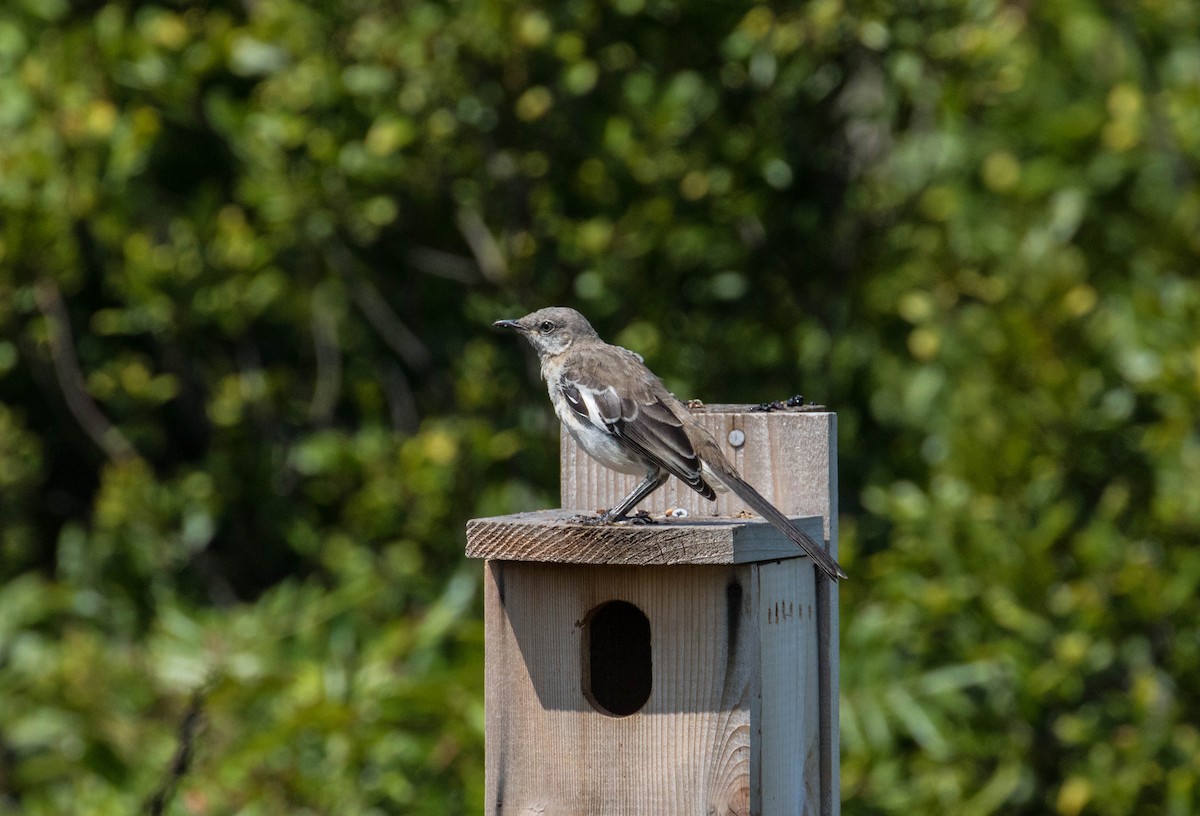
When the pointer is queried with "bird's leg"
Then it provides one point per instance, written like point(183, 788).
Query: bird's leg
point(652, 482)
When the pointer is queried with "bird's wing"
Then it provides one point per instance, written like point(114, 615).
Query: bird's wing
point(609, 387)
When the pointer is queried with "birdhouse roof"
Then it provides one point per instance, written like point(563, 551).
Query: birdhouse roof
point(552, 536)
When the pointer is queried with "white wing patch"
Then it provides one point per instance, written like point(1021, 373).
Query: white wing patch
point(587, 404)
point(592, 409)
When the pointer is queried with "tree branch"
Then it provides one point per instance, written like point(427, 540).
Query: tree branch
point(387, 324)
point(70, 376)
point(329, 362)
point(189, 727)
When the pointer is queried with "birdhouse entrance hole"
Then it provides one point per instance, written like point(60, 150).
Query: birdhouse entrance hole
point(616, 658)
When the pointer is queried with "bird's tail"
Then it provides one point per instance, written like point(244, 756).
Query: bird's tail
point(759, 504)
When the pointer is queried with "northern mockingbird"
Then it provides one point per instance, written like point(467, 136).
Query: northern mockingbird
point(623, 416)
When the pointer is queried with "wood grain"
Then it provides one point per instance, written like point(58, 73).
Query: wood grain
point(687, 751)
point(791, 458)
point(549, 536)
point(786, 456)
point(786, 753)
point(730, 724)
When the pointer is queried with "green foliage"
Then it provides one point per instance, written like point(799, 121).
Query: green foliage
point(248, 396)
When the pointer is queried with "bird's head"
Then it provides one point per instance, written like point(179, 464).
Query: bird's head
point(552, 330)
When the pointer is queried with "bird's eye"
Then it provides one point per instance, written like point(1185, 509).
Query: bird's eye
point(547, 326)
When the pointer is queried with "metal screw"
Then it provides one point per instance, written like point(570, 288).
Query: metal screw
point(737, 437)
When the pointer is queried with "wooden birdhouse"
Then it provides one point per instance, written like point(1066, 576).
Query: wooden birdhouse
point(684, 667)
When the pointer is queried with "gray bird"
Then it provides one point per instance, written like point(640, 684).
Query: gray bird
point(622, 415)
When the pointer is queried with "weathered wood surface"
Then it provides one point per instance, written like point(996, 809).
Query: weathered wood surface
point(786, 756)
point(791, 458)
point(549, 535)
point(733, 654)
point(786, 456)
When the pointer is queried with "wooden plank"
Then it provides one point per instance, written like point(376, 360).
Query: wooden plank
point(829, 632)
point(791, 458)
point(786, 752)
point(548, 535)
point(785, 455)
point(687, 751)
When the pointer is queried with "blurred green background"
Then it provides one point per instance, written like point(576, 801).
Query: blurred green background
point(249, 255)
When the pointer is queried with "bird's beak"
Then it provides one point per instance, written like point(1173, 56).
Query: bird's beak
point(508, 324)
